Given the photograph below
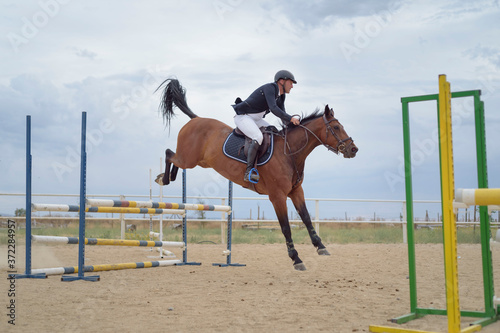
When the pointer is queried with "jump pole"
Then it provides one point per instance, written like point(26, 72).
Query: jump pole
point(163, 252)
point(106, 267)
point(28, 273)
point(105, 242)
point(479, 196)
point(157, 205)
point(106, 209)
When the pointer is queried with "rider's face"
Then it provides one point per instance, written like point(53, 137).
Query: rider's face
point(287, 86)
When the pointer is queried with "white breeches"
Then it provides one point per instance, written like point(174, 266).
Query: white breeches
point(250, 124)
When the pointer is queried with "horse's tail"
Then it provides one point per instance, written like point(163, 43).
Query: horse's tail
point(173, 94)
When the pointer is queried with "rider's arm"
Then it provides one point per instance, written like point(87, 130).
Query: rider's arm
point(270, 93)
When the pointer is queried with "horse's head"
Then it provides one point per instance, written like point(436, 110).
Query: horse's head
point(337, 140)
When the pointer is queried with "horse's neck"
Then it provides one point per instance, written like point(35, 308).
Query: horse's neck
point(302, 141)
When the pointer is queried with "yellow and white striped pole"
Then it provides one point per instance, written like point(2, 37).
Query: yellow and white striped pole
point(107, 267)
point(479, 197)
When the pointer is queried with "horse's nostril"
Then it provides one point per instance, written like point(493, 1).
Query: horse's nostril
point(354, 149)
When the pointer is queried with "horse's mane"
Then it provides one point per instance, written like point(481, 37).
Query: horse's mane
point(304, 120)
point(316, 114)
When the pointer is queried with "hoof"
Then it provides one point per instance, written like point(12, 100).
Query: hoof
point(300, 267)
point(159, 179)
point(323, 252)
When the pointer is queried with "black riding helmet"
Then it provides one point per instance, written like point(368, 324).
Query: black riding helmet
point(284, 74)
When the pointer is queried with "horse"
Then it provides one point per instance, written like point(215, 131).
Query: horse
point(200, 141)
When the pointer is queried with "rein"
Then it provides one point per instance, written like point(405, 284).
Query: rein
point(290, 148)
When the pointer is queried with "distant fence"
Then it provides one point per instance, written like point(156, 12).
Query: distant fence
point(315, 213)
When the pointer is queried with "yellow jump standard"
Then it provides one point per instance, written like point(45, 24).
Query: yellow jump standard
point(449, 222)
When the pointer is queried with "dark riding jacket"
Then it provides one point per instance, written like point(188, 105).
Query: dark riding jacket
point(265, 98)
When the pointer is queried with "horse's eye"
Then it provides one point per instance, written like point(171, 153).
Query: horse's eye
point(336, 128)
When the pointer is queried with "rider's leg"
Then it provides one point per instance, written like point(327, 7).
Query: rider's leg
point(247, 124)
point(252, 154)
point(262, 123)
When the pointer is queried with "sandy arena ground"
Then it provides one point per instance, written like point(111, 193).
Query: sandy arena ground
point(358, 285)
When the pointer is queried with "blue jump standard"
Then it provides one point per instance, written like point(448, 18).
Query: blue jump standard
point(184, 225)
point(229, 231)
point(27, 274)
point(81, 231)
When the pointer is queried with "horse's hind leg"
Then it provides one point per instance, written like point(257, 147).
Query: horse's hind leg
point(297, 197)
point(174, 162)
point(166, 175)
point(173, 172)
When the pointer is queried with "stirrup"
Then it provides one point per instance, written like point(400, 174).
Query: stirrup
point(253, 170)
point(249, 174)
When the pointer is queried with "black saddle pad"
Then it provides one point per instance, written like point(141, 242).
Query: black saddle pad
point(233, 148)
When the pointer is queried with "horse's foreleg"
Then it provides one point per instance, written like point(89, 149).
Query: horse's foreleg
point(298, 200)
point(281, 212)
point(315, 239)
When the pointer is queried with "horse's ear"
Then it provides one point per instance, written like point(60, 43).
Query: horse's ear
point(328, 111)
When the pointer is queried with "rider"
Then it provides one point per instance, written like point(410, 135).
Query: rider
point(250, 113)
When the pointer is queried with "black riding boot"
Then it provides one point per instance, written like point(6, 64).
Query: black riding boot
point(252, 154)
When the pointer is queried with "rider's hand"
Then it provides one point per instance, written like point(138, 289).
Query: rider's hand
point(295, 120)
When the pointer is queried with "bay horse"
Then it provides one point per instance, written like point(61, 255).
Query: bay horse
point(200, 142)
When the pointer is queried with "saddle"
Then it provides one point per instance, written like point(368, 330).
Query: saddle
point(266, 141)
point(237, 144)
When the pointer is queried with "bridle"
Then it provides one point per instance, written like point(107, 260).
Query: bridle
point(341, 144)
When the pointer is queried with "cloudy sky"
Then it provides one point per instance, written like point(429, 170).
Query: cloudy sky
point(60, 58)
